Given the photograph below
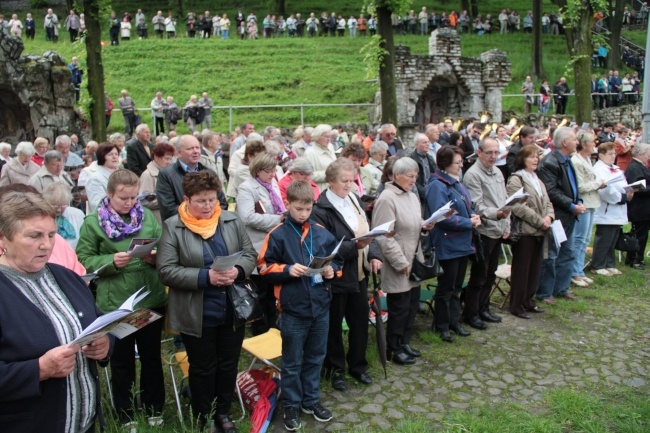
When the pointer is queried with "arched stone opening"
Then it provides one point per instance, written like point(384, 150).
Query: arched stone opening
point(438, 100)
point(15, 118)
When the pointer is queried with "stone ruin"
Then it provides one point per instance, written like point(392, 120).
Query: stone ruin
point(430, 88)
point(36, 95)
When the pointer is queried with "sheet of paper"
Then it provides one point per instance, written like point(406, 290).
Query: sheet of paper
point(89, 277)
point(519, 195)
point(378, 231)
point(618, 177)
point(142, 249)
point(439, 215)
point(223, 263)
point(558, 233)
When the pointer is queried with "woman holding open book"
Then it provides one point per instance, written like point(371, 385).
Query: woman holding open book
point(198, 302)
point(46, 384)
point(105, 238)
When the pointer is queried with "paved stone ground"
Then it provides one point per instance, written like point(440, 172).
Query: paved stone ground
point(586, 343)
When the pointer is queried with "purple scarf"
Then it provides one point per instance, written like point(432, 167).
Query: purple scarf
point(113, 224)
point(278, 206)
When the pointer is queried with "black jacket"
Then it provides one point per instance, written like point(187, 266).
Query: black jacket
point(326, 215)
point(510, 157)
point(136, 157)
point(169, 190)
point(553, 171)
point(638, 209)
point(468, 148)
point(421, 184)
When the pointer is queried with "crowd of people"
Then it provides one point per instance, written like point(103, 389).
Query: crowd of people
point(73, 209)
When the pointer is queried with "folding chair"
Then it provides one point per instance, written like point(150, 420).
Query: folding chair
point(178, 360)
point(502, 274)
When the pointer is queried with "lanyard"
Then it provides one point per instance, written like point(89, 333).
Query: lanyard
point(311, 242)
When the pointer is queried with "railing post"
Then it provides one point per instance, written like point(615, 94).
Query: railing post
point(302, 114)
point(230, 120)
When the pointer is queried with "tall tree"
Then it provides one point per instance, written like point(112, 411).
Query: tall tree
point(538, 66)
point(281, 7)
point(615, 20)
point(474, 8)
point(387, 82)
point(95, 78)
point(464, 6)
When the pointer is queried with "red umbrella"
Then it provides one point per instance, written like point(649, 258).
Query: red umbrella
point(380, 333)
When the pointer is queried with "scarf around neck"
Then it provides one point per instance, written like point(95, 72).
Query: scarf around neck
point(64, 228)
point(278, 206)
point(112, 223)
point(206, 228)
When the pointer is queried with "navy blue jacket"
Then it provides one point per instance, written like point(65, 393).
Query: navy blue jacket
point(26, 404)
point(282, 248)
point(452, 237)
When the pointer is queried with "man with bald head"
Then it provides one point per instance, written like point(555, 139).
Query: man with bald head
point(169, 189)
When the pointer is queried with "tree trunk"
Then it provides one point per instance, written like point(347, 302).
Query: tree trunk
point(387, 68)
point(464, 6)
point(95, 77)
point(281, 8)
point(538, 66)
point(70, 5)
point(615, 20)
point(474, 8)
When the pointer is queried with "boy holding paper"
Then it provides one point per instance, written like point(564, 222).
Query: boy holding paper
point(304, 302)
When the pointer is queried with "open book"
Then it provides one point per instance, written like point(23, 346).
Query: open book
point(519, 196)
point(443, 213)
point(141, 247)
point(639, 185)
point(378, 231)
point(120, 323)
point(319, 263)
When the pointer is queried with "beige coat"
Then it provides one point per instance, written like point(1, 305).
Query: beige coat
point(588, 182)
point(43, 178)
point(148, 180)
point(320, 159)
point(403, 207)
point(15, 172)
point(532, 212)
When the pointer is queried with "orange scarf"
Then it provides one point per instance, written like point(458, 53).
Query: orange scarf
point(202, 227)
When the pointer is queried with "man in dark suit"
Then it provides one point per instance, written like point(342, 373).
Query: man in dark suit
point(388, 134)
point(470, 144)
point(561, 181)
point(526, 137)
point(427, 165)
point(169, 189)
point(445, 132)
point(638, 208)
point(139, 150)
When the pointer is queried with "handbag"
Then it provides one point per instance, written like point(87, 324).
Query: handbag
point(245, 302)
point(479, 255)
point(627, 242)
point(427, 269)
point(516, 227)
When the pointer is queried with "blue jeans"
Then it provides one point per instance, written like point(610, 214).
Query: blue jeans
point(224, 34)
point(304, 343)
point(555, 277)
point(581, 237)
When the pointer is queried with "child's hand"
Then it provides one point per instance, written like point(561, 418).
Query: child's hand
point(328, 273)
point(298, 270)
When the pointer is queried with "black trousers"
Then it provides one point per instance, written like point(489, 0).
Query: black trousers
point(152, 384)
point(160, 125)
point(604, 256)
point(355, 308)
point(640, 230)
point(402, 308)
point(213, 361)
point(526, 266)
point(447, 298)
point(481, 279)
point(267, 300)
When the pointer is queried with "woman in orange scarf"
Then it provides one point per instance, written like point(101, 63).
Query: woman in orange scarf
point(199, 307)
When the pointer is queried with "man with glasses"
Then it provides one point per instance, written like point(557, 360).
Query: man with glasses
point(486, 186)
point(70, 160)
point(388, 134)
point(169, 189)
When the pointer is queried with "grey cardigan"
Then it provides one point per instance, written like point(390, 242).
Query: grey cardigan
point(179, 260)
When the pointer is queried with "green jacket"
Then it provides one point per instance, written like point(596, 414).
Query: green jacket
point(116, 285)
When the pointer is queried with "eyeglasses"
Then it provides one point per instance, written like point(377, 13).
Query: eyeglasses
point(411, 176)
point(60, 207)
point(268, 170)
point(201, 203)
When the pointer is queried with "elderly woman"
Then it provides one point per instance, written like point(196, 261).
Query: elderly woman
point(5, 150)
point(104, 239)
point(243, 173)
point(198, 303)
point(51, 172)
point(339, 210)
point(68, 219)
point(320, 154)
point(536, 215)
point(375, 166)
point(612, 213)
point(108, 159)
point(163, 155)
point(260, 207)
point(637, 208)
point(588, 186)
point(41, 145)
point(235, 160)
point(452, 239)
point(400, 203)
point(364, 182)
point(118, 139)
point(46, 384)
point(301, 169)
point(21, 168)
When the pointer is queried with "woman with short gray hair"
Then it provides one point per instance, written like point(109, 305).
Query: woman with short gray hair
point(51, 172)
point(68, 218)
point(21, 168)
point(301, 169)
point(5, 150)
point(321, 154)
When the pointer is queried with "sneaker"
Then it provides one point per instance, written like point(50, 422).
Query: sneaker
point(587, 280)
point(614, 271)
point(580, 282)
point(130, 427)
point(603, 272)
point(292, 418)
point(156, 421)
point(320, 413)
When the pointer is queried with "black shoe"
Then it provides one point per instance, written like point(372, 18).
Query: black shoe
point(362, 377)
point(638, 266)
point(413, 353)
point(338, 381)
point(403, 359)
point(225, 424)
point(487, 316)
point(292, 418)
point(318, 411)
point(446, 336)
point(460, 331)
point(475, 323)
